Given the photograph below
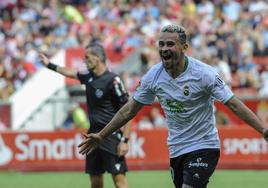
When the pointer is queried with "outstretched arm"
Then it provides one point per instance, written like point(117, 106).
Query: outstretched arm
point(126, 113)
point(244, 113)
point(71, 73)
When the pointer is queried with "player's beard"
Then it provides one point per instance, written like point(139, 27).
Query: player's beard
point(171, 63)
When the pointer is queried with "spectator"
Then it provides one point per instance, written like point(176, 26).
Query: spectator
point(77, 118)
point(231, 9)
point(248, 75)
point(263, 92)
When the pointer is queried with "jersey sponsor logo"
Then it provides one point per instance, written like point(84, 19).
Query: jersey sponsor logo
point(98, 93)
point(175, 106)
point(198, 163)
point(90, 80)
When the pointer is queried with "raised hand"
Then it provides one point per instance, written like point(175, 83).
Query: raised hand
point(43, 58)
point(90, 143)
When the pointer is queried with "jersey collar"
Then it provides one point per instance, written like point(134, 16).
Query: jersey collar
point(186, 62)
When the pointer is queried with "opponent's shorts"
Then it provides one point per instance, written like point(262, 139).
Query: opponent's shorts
point(194, 168)
point(100, 161)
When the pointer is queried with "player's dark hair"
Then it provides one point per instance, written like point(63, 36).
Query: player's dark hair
point(98, 50)
point(180, 30)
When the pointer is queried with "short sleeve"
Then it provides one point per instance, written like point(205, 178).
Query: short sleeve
point(144, 93)
point(83, 77)
point(217, 87)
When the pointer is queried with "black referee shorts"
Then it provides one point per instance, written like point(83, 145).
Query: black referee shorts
point(100, 161)
point(194, 168)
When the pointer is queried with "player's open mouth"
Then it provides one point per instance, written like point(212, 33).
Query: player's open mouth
point(166, 57)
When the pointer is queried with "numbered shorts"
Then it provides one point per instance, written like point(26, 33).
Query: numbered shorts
point(100, 161)
point(194, 168)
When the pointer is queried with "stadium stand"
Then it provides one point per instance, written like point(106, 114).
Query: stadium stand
point(235, 32)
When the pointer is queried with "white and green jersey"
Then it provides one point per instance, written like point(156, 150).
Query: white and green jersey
point(187, 102)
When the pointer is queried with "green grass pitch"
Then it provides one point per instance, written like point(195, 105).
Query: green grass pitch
point(137, 179)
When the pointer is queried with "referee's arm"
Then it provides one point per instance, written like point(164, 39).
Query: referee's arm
point(69, 72)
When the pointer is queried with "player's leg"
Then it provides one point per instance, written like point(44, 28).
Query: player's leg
point(95, 168)
point(198, 167)
point(176, 170)
point(116, 166)
point(120, 180)
point(96, 181)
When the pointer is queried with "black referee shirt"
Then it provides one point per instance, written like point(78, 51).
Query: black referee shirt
point(105, 94)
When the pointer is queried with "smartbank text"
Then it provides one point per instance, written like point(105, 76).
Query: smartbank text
point(41, 149)
point(63, 149)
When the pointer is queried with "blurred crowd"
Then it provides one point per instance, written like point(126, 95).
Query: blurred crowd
point(228, 34)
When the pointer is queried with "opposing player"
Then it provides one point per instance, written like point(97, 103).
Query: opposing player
point(186, 89)
point(105, 94)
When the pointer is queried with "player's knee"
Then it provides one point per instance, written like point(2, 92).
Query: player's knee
point(121, 185)
point(120, 182)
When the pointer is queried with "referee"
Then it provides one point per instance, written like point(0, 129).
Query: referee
point(105, 94)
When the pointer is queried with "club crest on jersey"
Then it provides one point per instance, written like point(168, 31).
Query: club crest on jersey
point(186, 91)
point(98, 93)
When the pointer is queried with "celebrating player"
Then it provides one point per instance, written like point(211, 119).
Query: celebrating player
point(186, 89)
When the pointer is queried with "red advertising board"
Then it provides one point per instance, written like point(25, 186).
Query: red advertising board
point(148, 150)
point(243, 148)
point(27, 151)
point(42, 151)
